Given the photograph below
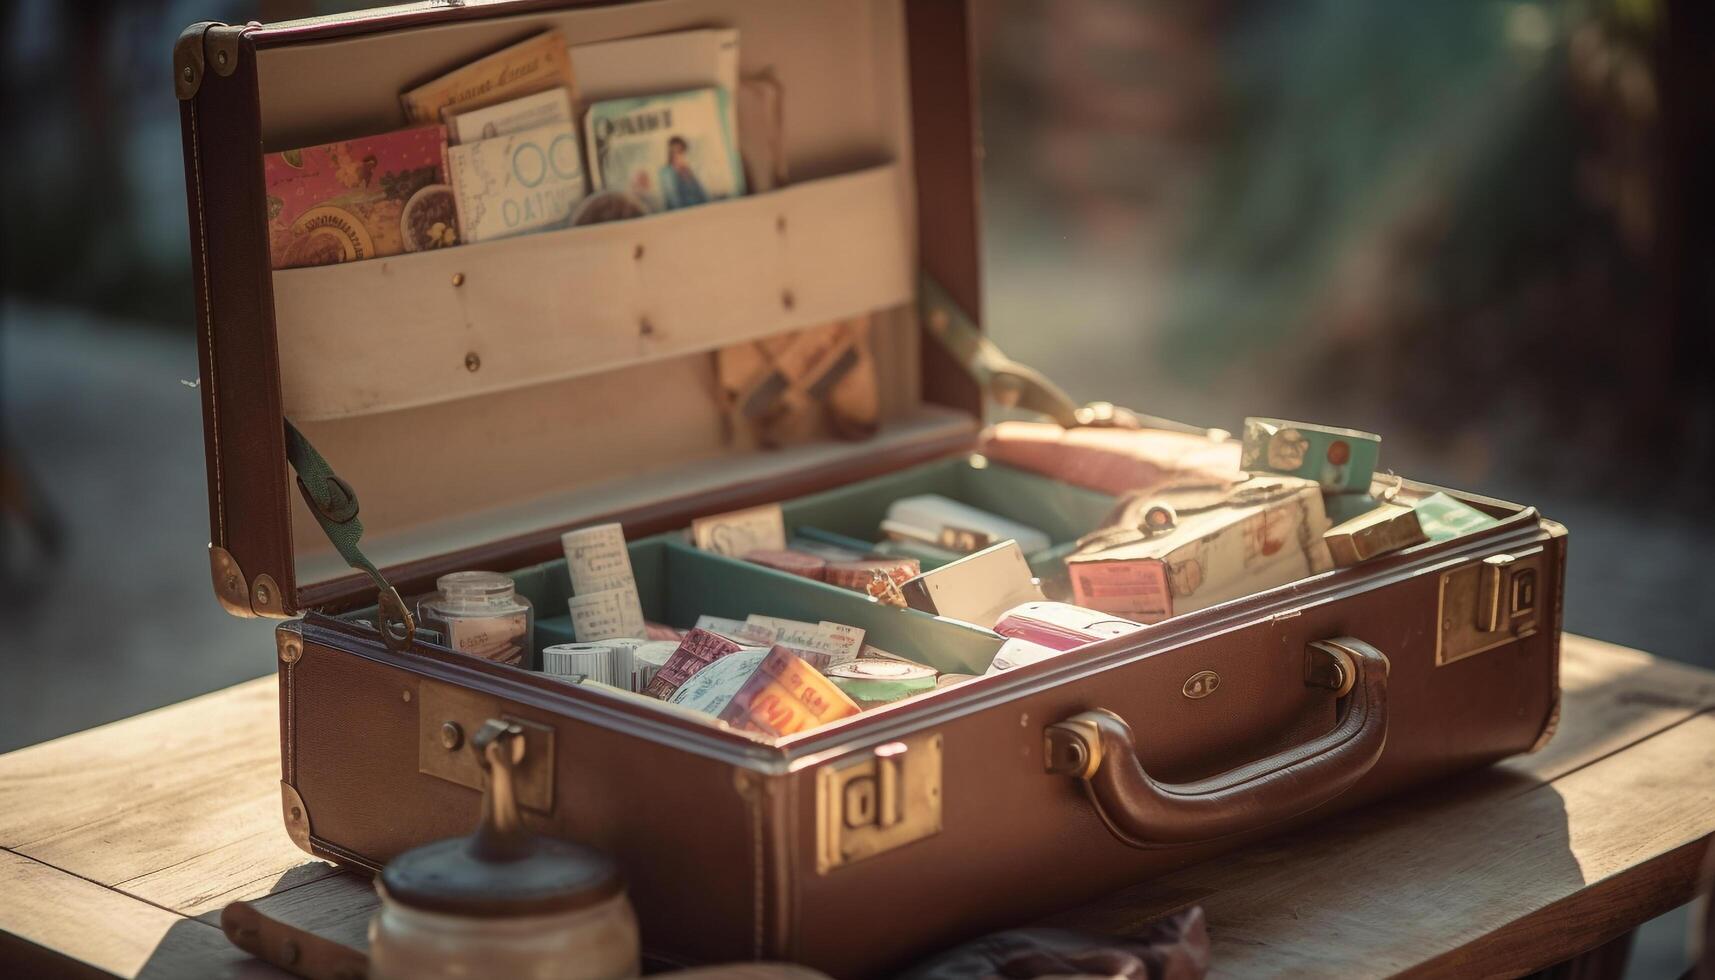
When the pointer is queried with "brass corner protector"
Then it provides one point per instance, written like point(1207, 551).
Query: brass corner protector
point(188, 63)
point(297, 818)
point(221, 42)
point(265, 598)
point(230, 586)
point(290, 641)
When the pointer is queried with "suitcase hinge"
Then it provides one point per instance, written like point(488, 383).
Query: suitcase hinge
point(877, 801)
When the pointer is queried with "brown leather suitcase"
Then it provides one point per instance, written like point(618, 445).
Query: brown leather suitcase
point(481, 401)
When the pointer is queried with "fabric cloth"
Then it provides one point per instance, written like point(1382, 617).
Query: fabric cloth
point(1114, 461)
point(1173, 948)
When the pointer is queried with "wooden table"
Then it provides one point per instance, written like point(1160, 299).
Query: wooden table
point(120, 845)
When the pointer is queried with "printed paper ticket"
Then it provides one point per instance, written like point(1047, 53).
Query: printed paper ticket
point(597, 558)
point(742, 531)
point(497, 638)
point(712, 688)
point(791, 632)
point(785, 695)
point(744, 632)
point(531, 65)
point(605, 615)
point(697, 650)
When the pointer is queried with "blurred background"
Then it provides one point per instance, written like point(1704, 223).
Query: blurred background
point(1476, 227)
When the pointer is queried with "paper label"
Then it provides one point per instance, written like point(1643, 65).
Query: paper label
point(604, 615)
point(513, 184)
point(497, 638)
point(597, 559)
point(742, 531)
point(1129, 588)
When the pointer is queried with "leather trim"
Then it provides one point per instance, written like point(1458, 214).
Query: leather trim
point(1557, 540)
point(249, 509)
point(946, 151)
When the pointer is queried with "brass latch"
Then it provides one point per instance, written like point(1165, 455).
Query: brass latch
point(449, 716)
point(1488, 604)
point(877, 801)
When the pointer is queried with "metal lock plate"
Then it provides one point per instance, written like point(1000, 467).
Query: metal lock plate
point(446, 718)
point(877, 801)
point(1489, 604)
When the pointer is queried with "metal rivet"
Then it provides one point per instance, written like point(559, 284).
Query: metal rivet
point(645, 328)
point(458, 279)
point(637, 253)
point(291, 650)
point(472, 362)
point(297, 814)
point(189, 73)
point(1024, 721)
point(787, 299)
point(406, 694)
point(262, 594)
point(452, 736)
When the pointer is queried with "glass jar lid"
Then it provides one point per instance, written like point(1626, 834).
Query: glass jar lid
point(452, 877)
point(475, 585)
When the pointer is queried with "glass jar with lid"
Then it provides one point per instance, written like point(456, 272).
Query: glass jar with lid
point(482, 614)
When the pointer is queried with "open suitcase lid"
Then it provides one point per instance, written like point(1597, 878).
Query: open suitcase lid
point(482, 399)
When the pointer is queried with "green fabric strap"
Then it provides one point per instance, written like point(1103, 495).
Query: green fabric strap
point(334, 505)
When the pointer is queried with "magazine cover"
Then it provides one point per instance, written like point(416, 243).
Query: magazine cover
point(358, 199)
point(670, 151)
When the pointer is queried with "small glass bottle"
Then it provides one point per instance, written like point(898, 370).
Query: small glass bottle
point(503, 903)
point(482, 614)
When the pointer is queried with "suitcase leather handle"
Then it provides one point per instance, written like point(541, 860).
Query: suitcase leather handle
point(1096, 746)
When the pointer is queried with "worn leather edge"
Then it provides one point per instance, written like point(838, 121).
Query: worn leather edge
point(946, 150)
point(1558, 539)
point(249, 510)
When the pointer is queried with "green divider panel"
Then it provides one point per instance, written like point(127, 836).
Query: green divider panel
point(1065, 513)
point(701, 583)
point(677, 583)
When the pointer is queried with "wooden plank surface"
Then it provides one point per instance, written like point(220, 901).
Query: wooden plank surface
point(52, 922)
point(122, 843)
point(179, 807)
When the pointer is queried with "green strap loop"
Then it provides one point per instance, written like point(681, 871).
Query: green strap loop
point(334, 506)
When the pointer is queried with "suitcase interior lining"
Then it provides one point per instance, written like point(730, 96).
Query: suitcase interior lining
point(593, 379)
